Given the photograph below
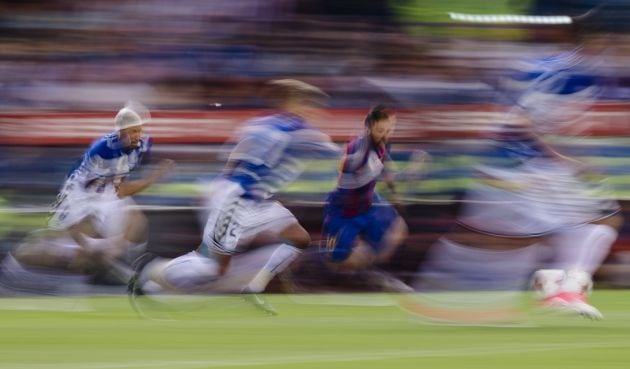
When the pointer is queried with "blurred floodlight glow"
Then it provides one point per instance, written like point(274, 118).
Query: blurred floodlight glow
point(507, 18)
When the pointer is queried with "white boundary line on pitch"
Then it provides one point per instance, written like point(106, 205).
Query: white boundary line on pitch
point(347, 357)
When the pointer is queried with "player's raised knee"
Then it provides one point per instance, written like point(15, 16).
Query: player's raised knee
point(297, 236)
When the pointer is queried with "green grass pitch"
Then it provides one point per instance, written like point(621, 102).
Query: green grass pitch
point(104, 332)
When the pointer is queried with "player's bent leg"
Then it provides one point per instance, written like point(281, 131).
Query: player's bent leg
point(351, 256)
point(57, 250)
point(283, 256)
point(359, 265)
point(124, 229)
point(279, 260)
point(189, 273)
point(137, 227)
point(583, 247)
point(361, 261)
point(393, 238)
point(360, 256)
point(296, 235)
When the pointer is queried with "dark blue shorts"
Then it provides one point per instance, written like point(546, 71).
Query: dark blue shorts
point(340, 232)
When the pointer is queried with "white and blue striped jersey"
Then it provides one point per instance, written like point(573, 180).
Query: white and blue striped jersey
point(107, 162)
point(557, 90)
point(553, 93)
point(271, 151)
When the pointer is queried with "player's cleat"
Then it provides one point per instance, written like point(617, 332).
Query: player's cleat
point(572, 302)
point(565, 291)
point(134, 285)
point(258, 301)
point(135, 292)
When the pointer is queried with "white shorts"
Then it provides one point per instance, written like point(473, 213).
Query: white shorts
point(545, 196)
point(234, 221)
point(107, 210)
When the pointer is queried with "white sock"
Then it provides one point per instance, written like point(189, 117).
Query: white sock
point(577, 281)
point(281, 258)
point(547, 282)
point(583, 248)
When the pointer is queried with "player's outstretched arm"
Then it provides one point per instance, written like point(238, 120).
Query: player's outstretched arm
point(128, 188)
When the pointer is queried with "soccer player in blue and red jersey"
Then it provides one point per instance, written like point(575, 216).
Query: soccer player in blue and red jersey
point(361, 228)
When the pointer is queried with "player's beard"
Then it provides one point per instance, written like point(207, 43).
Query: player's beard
point(377, 143)
point(381, 142)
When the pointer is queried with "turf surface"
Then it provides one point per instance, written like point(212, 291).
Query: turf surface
point(104, 332)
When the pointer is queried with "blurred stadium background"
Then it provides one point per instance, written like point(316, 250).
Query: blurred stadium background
point(67, 66)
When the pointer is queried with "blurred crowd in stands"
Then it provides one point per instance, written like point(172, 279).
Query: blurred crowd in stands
point(62, 55)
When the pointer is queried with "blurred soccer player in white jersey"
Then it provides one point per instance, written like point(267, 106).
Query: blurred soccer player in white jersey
point(561, 89)
point(94, 207)
point(542, 199)
point(269, 154)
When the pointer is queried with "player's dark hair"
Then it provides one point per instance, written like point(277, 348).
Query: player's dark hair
point(376, 114)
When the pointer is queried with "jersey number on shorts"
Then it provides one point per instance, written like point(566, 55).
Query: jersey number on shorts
point(226, 226)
